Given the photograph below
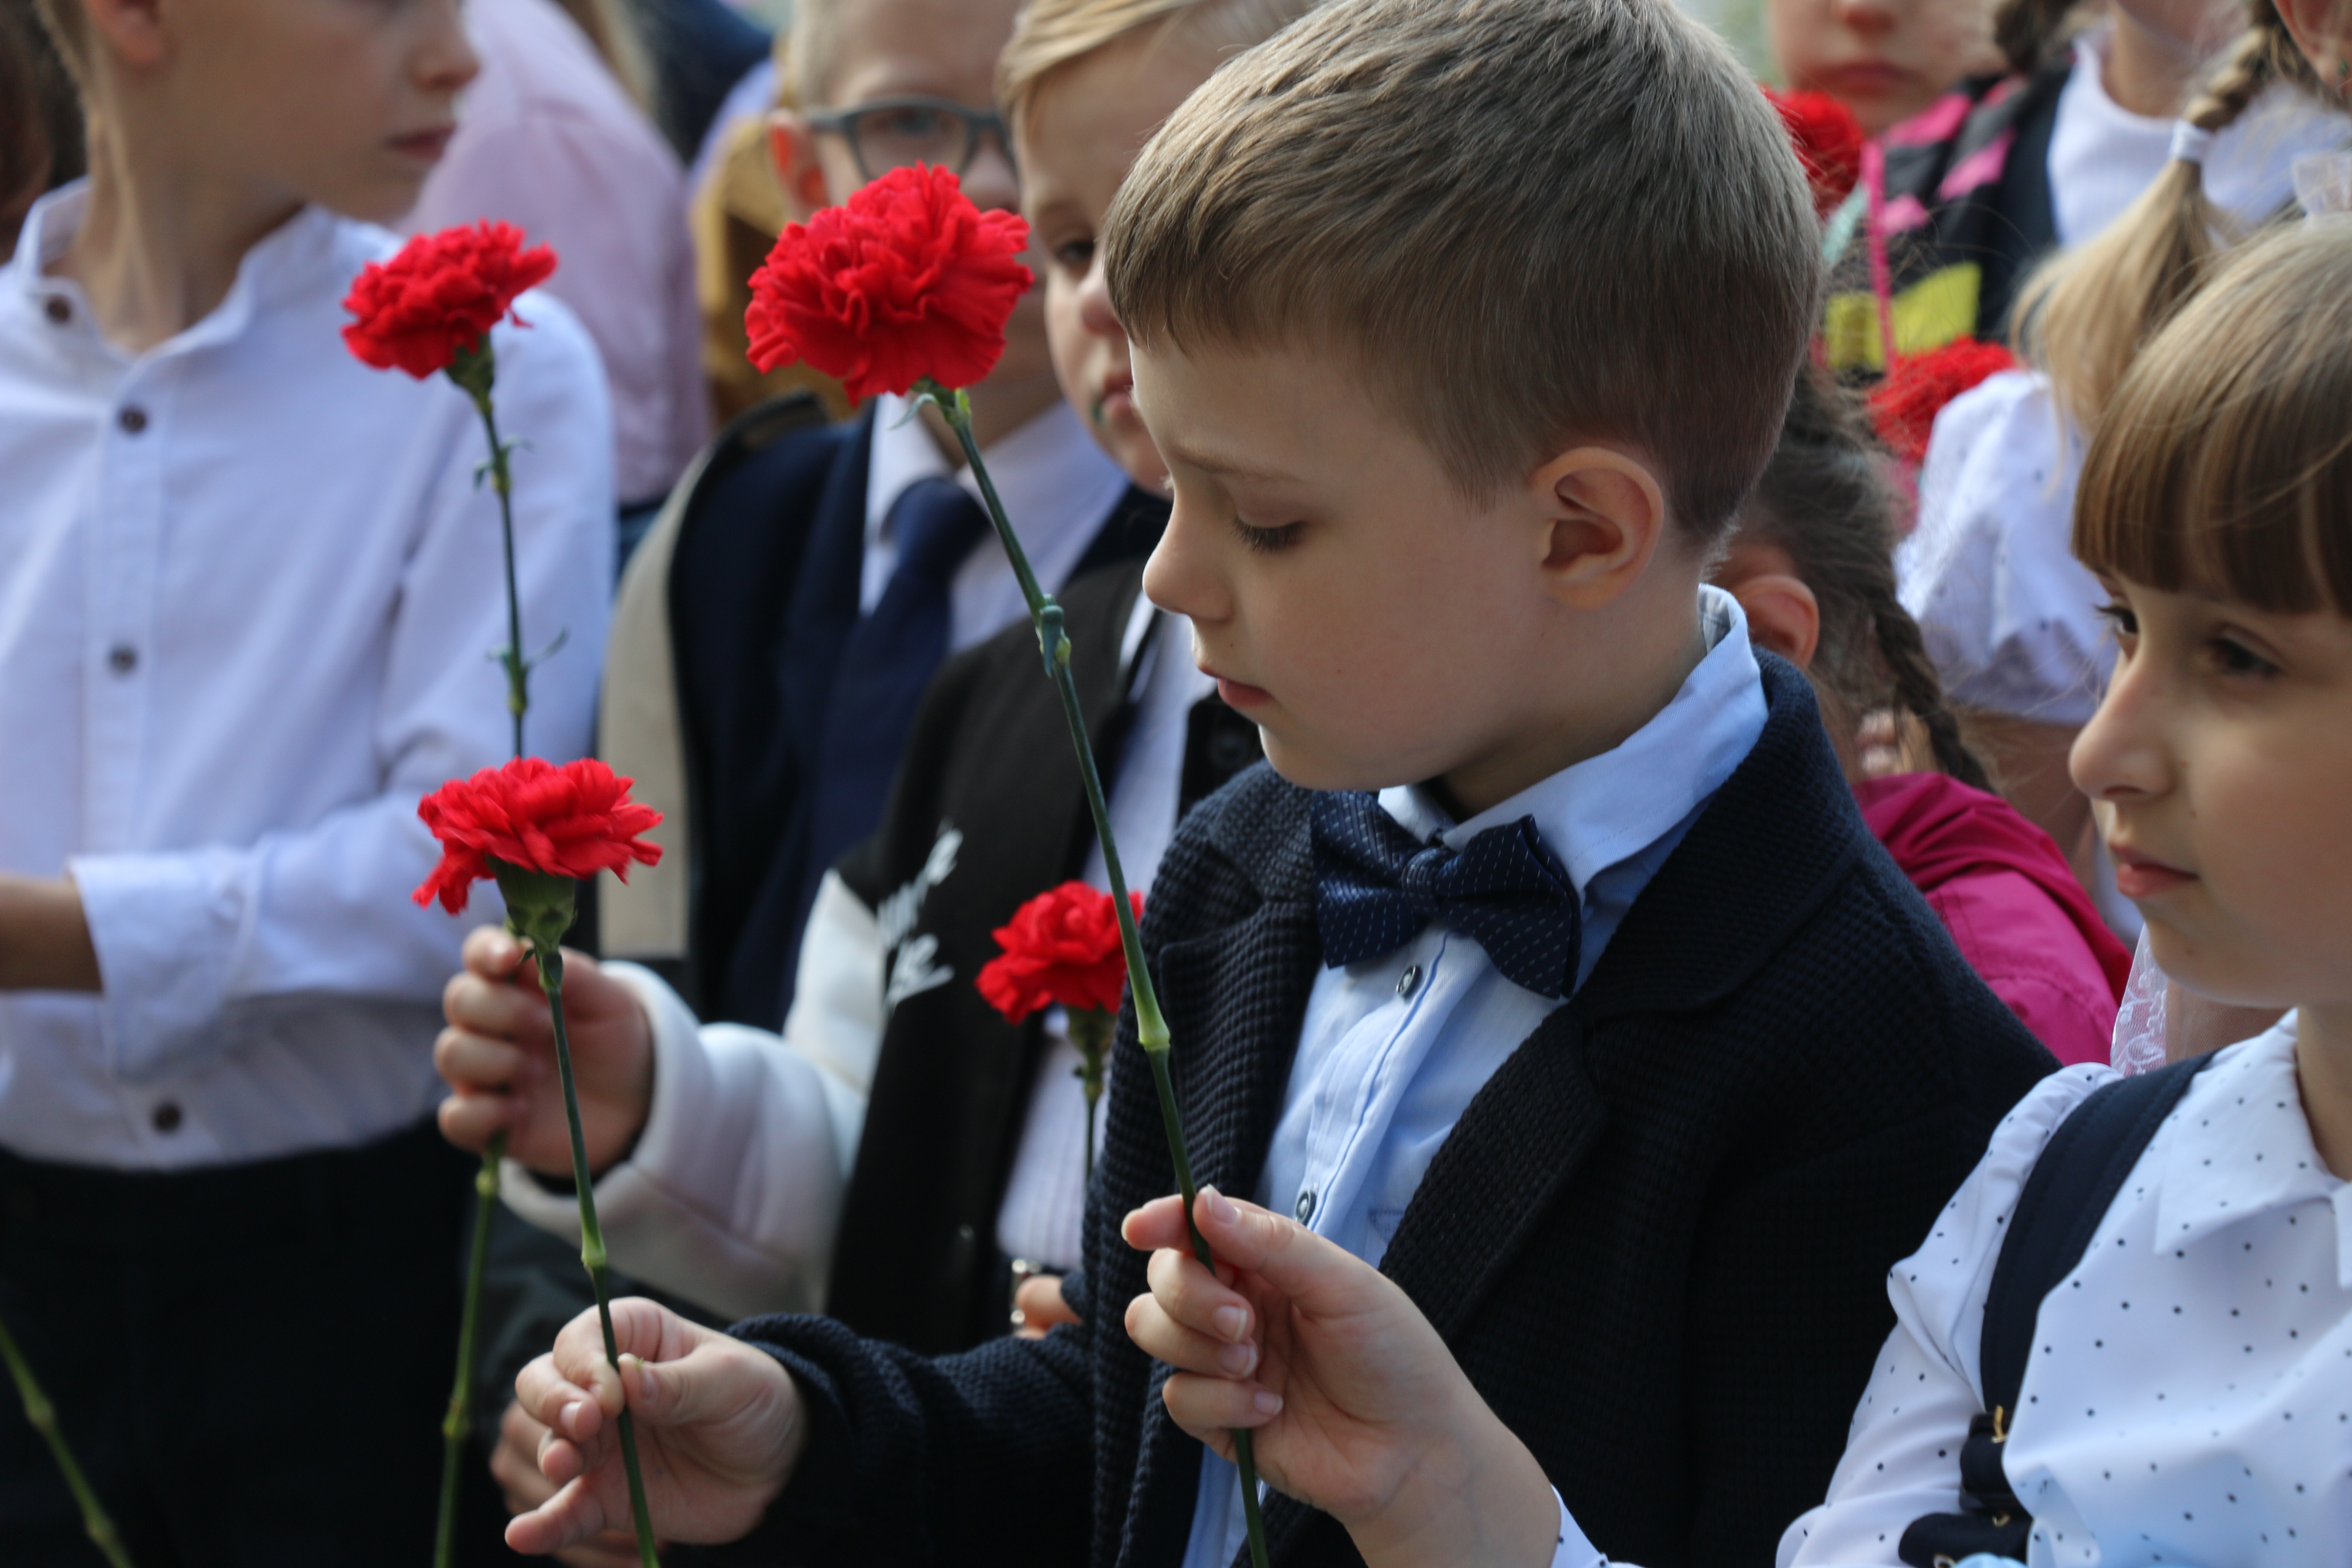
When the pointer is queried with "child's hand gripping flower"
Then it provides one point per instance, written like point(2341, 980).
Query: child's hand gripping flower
point(906, 288)
point(429, 310)
point(537, 829)
point(1355, 1404)
point(721, 1420)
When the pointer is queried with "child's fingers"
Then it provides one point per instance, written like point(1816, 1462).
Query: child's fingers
point(470, 1121)
point(494, 953)
point(1163, 1338)
point(1197, 1299)
point(494, 1007)
point(572, 1515)
point(557, 1403)
point(466, 1060)
point(1204, 1406)
point(1157, 1223)
point(1285, 1254)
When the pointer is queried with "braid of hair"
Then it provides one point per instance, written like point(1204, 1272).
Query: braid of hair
point(1824, 502)
point(2083, 315)
point(1919, 691)
point(2026, 31)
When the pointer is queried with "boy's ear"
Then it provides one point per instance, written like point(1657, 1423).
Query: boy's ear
point(135, 32)
point(1607, 516)
point(1782, 615)
point(799, 172)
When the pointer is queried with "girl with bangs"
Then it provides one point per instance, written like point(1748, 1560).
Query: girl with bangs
point(2127, 1341)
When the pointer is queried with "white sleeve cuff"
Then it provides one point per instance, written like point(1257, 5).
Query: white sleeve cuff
point(731, 1195)
point(1574, 1550)
point(166, 929)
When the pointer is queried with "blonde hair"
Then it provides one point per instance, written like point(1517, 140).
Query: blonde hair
point(619, 38)
point(806, 52)
point(1050, 34)
point(62, 21)
point(2225, 463)
point(2082, 315)
point(1517, 221)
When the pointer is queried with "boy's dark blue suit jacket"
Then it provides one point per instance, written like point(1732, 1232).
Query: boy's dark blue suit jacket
point(1657, 1240)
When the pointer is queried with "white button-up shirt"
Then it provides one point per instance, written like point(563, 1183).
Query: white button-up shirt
point(249, 590)
point(2190, 1401)
point(1393, 1049)
point(1057, 487)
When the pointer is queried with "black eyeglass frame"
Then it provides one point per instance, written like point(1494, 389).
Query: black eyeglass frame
point(976, 123)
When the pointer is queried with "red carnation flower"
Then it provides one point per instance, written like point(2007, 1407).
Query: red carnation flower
point(440, 295)
point(572, 821)
point(907, 281)
point(1903, 407)
point(1062, 946)
point(1828, 139)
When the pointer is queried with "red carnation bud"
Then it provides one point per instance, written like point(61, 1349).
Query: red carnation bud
point(440, 296)
point(1828, 139)
point(1903, 407)
point(1062, 946)
point(571, 822)
point(905, 283)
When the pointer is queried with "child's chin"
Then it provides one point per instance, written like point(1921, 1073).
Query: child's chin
point(383, 200)
point(1310, 769)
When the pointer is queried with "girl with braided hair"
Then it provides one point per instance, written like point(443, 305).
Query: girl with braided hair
point(2007, 613)
point(1810, 562)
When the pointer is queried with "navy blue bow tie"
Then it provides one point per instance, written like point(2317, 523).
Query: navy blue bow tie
point(1376, 887)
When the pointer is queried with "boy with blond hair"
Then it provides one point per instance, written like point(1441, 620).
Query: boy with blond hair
point(246, 587)
point(1550, 965)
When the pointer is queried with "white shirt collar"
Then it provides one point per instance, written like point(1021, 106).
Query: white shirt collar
point(301, 251)
point(1049, 473)
point(1608, 808)
point(2248, 1108)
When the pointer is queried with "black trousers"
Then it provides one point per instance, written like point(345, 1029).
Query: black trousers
point(251, 1362)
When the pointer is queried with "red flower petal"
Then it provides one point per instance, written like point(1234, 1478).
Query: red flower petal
point(439, 295)
point(907, 280)
point(569, 821)
point(1903, 407)
point(1828, 139)
point(1062, 946)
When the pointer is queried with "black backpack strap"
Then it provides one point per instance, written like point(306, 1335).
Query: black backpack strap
point(2063, 1201)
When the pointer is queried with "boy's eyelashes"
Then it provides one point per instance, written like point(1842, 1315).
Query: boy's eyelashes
point(1074, 255)
point(2120, 619)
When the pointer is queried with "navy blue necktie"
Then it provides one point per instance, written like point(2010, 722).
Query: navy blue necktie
point(1376, 887)
point(890, 656)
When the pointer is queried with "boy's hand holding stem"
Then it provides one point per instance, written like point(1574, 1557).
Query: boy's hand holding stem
point(1355, 1403)
point(498, 1056)
point(719, 1428)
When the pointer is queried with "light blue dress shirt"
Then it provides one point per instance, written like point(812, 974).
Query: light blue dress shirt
point(1393, 1049)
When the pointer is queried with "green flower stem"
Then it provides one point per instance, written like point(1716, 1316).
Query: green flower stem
point(1091, 1031)
point(475, 372)
point(591, 1235)
point(454, 1424)
point(1150, 1027)
point(43, 1417)
point(501, 478)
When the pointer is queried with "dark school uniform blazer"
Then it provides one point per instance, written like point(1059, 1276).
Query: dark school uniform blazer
point(763, 590)
point(987, 813)
point(1657, 1240)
